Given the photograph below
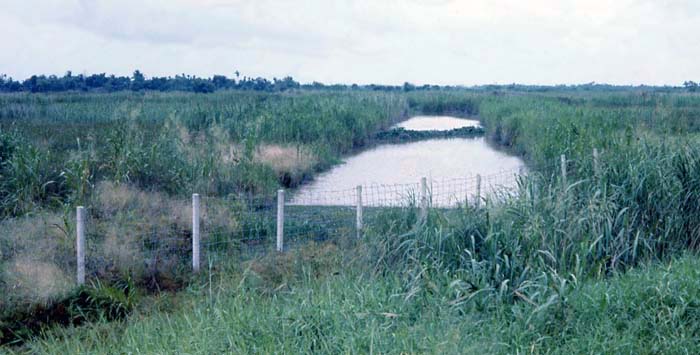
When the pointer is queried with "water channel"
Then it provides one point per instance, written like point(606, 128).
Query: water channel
point(391, 173)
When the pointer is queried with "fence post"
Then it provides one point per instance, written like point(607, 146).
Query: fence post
point(280, 220)
point(359, 211)
point(423, 197)
point(80, 244)
point(596, 167)
point(563, 171)
point(478, 190)
point(195, 232)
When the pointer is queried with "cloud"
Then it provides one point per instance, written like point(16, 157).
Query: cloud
point(390, 41)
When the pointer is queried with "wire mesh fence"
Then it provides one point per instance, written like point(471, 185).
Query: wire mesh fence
point(439, 192)
point(151, 239)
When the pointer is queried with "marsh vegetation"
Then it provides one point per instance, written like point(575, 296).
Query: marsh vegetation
point(601, 262)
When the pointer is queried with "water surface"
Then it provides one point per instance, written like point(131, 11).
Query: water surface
point(390, 173)
point(436, 123)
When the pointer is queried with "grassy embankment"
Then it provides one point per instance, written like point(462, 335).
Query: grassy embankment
point(133, 159)
point(311, 302)
point(521, 276)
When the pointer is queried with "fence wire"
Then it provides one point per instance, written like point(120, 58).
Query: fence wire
point(149, 238)
point(442, 193)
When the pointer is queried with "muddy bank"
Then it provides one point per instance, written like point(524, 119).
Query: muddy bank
point(398, 135)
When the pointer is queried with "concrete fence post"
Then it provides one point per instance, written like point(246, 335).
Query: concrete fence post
point(596, 166)
point(195, 232)
point(280, 220)
point(423, 197)
point(80, 244)
point(563, 171)
point(359, 211)
point(478, 191)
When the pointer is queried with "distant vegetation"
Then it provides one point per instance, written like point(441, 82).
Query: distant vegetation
point(55, 147)
point(540, 272)
point(138, 82)
point(402, 135)
point(189, 83)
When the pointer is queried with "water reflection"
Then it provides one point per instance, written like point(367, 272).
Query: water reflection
point(391, 173)
point(436, 123)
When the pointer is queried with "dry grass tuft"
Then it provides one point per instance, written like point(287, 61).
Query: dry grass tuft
point(123, 200)
point(36, 255)
point(121, 250)
point(156, 209)
point(34, 281)
point(128, 219)
point(289, 162)
point(143, 235)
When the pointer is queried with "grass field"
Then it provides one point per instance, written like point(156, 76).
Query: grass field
point(601, 263)
point(322, 307)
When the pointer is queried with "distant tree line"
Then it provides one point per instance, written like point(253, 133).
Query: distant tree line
point(189, 83)
point(139, 82)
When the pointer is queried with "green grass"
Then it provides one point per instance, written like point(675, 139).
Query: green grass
point(175, 142)
point(318, 306)
point(575, 267)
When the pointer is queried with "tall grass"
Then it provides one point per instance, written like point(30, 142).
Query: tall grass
point(311, 302)
point(516, 266)
point(640, 207)
point(178, 142)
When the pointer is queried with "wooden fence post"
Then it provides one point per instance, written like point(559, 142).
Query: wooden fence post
point(80, 244)
point(195, 232)
point(423, 197)
point(596, 166)
point(359, 211)
point(478, 190)
point(280, 220)
point(563, 171)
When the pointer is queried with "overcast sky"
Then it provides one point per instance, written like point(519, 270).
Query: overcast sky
point(374, 41)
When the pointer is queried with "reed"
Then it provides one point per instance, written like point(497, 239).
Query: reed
point(518, 276)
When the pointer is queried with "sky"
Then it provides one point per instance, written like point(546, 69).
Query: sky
point(459, 42)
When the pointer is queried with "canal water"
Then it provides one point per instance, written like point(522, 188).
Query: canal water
point(436, 123)
point(391, 173)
